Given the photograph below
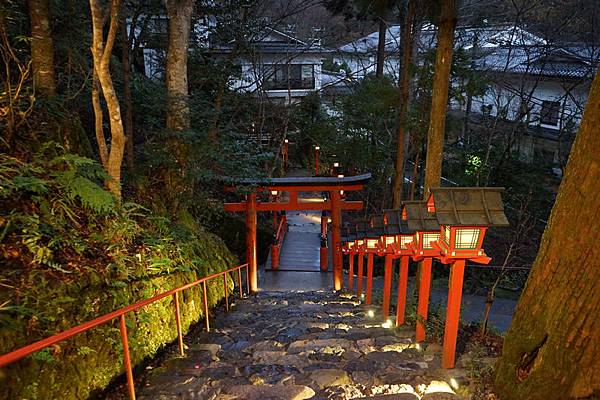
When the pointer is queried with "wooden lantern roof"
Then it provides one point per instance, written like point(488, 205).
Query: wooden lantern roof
point(348, 234)
point(468, 206)
point(395, 224)
point(361, 229)
point(418, 218)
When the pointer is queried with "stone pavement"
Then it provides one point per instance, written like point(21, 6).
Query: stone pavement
point(300, 345)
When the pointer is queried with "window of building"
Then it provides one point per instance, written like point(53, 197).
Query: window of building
point(549, 112)
point(289, 76)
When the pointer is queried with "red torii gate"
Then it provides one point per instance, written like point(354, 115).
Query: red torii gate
point(335, 186)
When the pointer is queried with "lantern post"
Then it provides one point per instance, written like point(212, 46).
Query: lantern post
point(372, 242)
point(464, 214)
point(317, 149)
point(426, 230)
point(397, 236)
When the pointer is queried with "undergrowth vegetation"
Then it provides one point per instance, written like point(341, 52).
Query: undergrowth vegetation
point(69, 253)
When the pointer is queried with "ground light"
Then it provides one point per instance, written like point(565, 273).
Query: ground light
point(453, 383)
point(387, 324)
point(371, 313)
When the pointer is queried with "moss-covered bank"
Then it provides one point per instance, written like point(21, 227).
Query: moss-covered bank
point(75, 368)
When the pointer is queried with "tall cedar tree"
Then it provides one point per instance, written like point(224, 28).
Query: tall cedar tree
point(552, 347)
point(180, 19)
point(439, 95)
point(101, 54)
point(406, 44)
point(178, 111)
point(42, 47)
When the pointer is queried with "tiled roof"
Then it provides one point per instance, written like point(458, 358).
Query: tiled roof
point(505, 48)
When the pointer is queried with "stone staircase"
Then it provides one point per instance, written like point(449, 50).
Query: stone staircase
point(299, 345)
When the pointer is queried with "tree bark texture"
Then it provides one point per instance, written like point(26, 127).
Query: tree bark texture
point(101, 52)
point(99, 122)
point(126, 67)
point(552, 348)
point(381, 47)
point(180, 17)
point(406, 46)
point(439, 96)
point(42, 47)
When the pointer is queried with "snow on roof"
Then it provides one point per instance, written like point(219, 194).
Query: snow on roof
point(498, 48)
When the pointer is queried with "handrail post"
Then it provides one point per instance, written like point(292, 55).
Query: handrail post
point(205, 306)
point(126, 357)
point(226, 291)
point(248, 279)
point(240, 283)
point(178, 320)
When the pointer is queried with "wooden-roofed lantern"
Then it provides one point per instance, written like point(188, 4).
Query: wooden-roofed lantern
point(378, 226)
point(349, 247)
point(397, 237)
point(361, 241)
point(426, 229)
point(464, 214)
point(372, 248)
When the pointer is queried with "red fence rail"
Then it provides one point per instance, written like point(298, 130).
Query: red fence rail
point(23, 352)
point(278, 242)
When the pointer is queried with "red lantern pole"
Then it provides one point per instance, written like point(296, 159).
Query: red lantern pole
point(369, 278)
point(387, 286)
point(351, 271)
point(359, 278)
point(457, 272)
point(317, 148)
point(422, 307)
point(402, 283)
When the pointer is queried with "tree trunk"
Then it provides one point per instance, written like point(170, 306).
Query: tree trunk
point(552, 346)
point(126, 68)
point(180, 19)
point(439, 96)
point(406, 45)
point(42, 48)
point(101, 52)
point(99, 121)
point(381, 47)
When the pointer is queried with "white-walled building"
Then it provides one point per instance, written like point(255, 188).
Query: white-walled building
point(544, 85)
point(277, 65)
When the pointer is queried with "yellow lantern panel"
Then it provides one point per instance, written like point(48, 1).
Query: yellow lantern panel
point(466, 239)
point(446, 232)
point(389, 240)
point(405, 239)
point(428, 238)
point(372, 243)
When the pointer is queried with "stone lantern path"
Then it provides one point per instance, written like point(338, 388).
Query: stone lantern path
point(300, 345)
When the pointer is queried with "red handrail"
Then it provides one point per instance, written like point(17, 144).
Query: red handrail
point(281, 231)
point(24, 351)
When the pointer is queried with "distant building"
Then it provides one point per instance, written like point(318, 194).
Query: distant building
point(543, 85)
point(277, 64)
